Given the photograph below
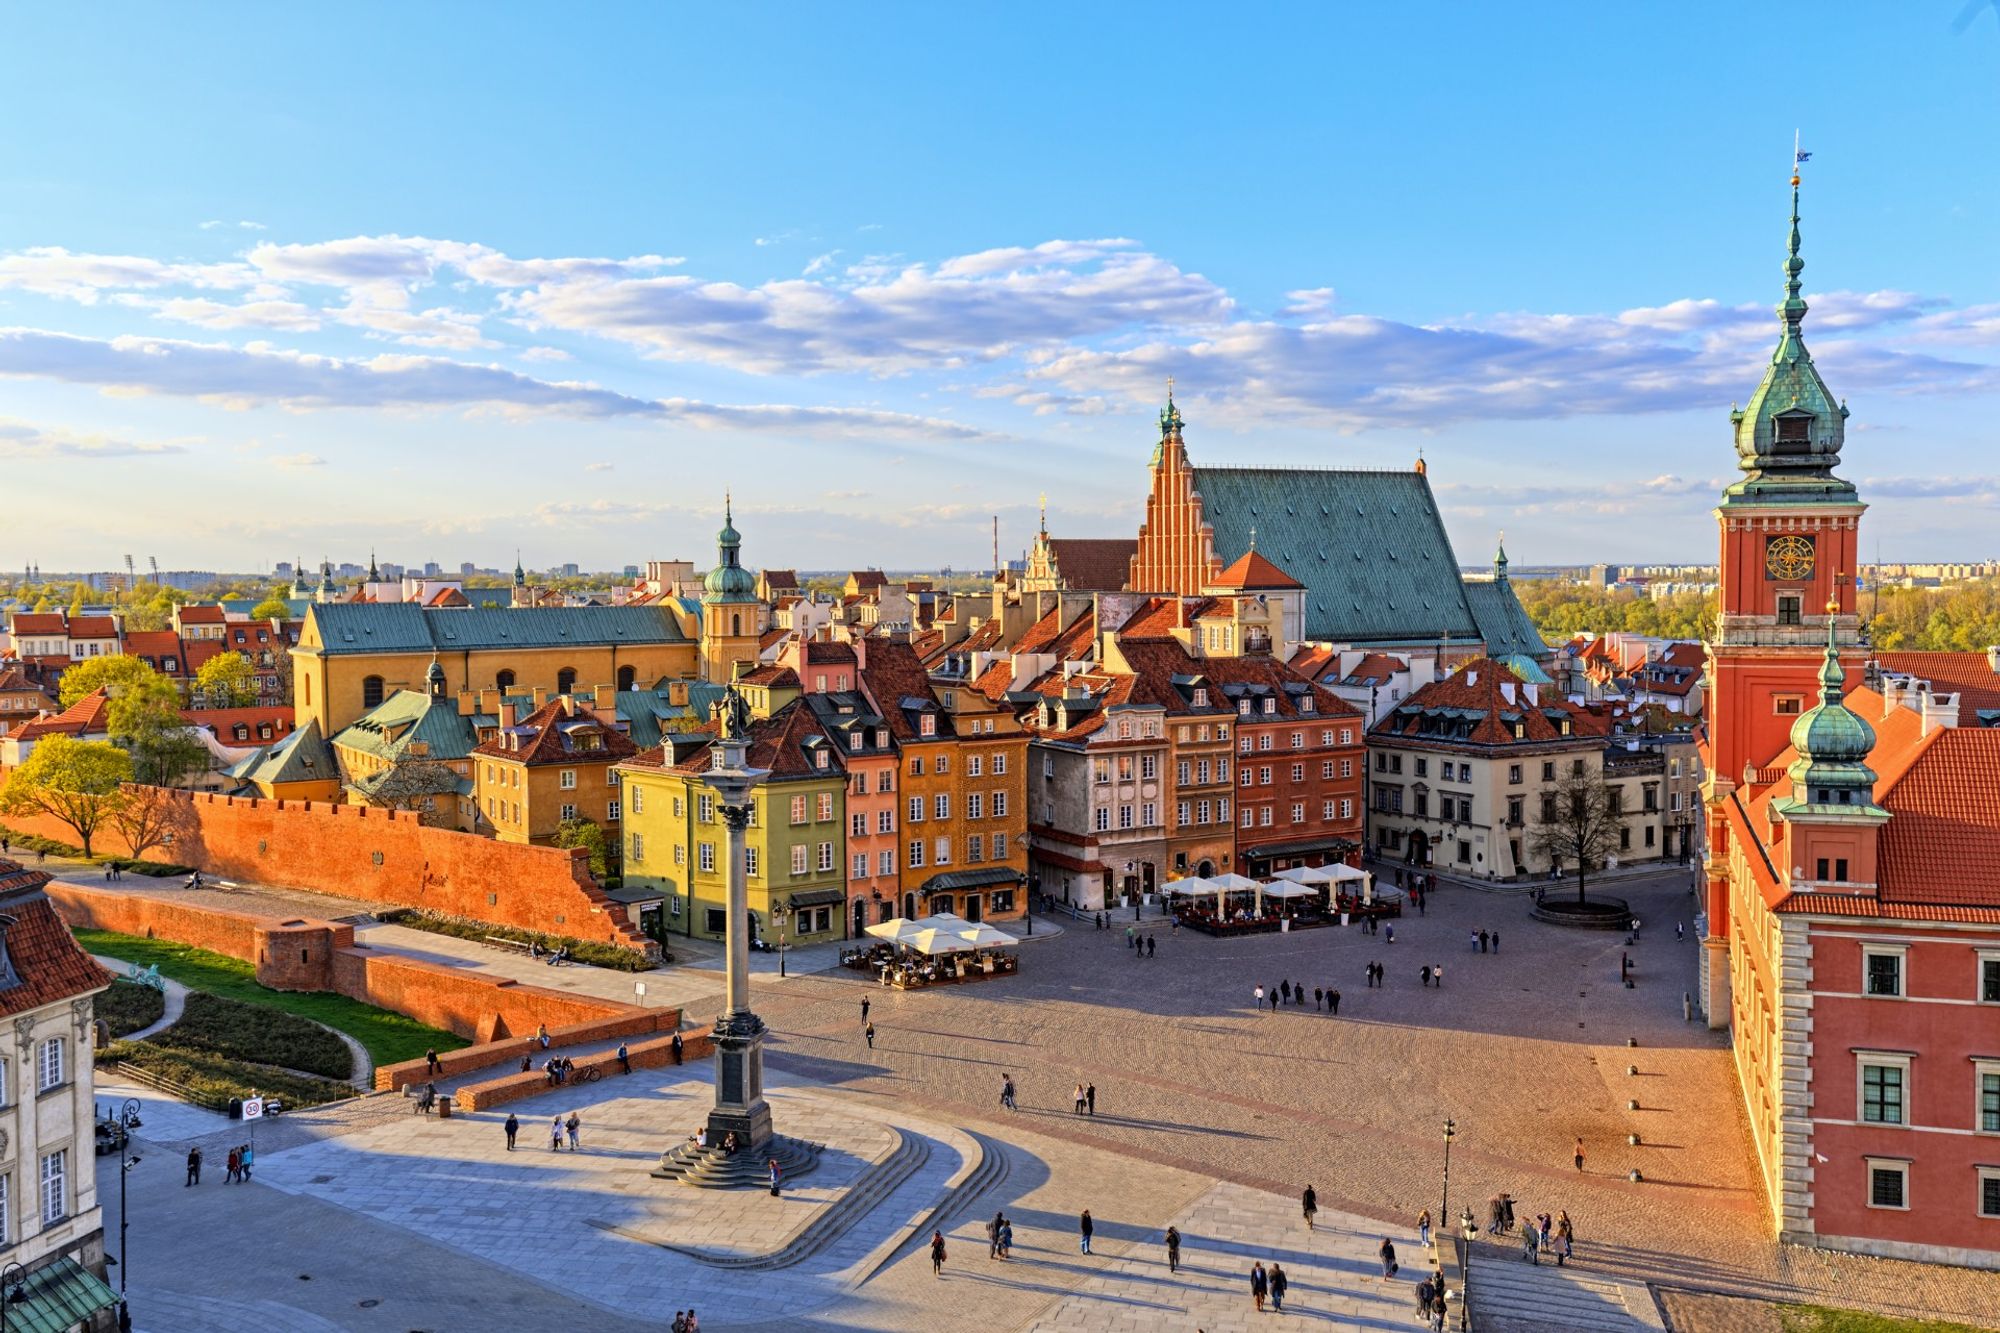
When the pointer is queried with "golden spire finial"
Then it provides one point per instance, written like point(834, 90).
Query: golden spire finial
point(1170, 388)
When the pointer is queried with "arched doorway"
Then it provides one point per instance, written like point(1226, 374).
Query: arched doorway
point(1420, 848)
point(1206, 870)
point(627, 677)
point(860, 917)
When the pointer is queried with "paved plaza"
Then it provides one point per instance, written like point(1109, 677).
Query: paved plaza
point(1212, 1115)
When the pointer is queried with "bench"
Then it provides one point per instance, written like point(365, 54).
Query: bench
point(502, 942)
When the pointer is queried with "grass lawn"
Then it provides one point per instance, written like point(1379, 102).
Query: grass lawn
point(387, 1037)
point(212, 1080)
point(234, 1030)
point(1822, 1319)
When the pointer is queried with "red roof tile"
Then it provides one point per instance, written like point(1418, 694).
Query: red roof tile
point(85, 717)
point(771, 675)
point(1969, 675)
point(1942, 842)
point(550, 734)
point(39, 622)
point(93, 627)
point(781, 744)
point(892, 674)
point(1471, 707)
point(1254, 573)
point(191, 614)
point(1093, 564)
point(45, 956)
point(223, 721)
point(448, 596)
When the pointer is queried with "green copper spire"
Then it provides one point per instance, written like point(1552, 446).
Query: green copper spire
point(520, 575)
point(1833, 742)
point(1789, 435)
point(729, 581)
point(1170, 425)
point(1500, 561)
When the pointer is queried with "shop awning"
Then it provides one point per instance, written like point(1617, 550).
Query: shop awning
point(1062, 862)
point(818, 897)
point(1304, 848)
point(970, 879)
point(57, 1297)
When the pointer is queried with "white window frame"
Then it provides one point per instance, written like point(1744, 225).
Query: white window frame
point(1897, 1164)
point(55, 1172)
point(1983, 1174)
point(1866, 1060)
point(1981, 1071)
point(612, 812)
point(49, 1064)
point(566, 779)
point(1901, 953)
point(706, 858)
point(1987, 958)
point(799, 854)
point(826, 856)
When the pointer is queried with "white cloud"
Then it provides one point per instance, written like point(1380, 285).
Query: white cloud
point(598, 467)
point(213, 225)
point(260, 374)
point(19, 439)
point(298, 460)
point(544, 354)
point(50, 270)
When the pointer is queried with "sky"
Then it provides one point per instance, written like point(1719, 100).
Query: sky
point(450, 281)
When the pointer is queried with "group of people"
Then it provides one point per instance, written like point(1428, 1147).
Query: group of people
point(241, 1158)
point(1480, 939)
point(555, 957)
point(1143, 945)
point(1293, 992)
point(557, 1069)
point(686, 1323)
point(1086, 1099)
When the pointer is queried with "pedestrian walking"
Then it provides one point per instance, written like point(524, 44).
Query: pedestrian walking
point(555, 1133)
point(1482, 941)
point(1007, 1093)
point(249, 1156)
point(1475, 941)
point(431, 1065)
point(1528, 1244)
point(513, 1128)
point(1420, 904)
point(1437, 975)
point(864, 1009)
point(1260, 999)
point(194, 1166)
point(1309, 1202)
point(1084, 1227)
point(1426, 1296)
point(1496, 941)
point(1579, 1153)
point(1425, 975)
point(1152, 943)
point(1078, 1108)
point(771, 1167)
point(234, 1163)
point(677, 1060)
point(1260, 1284)
point(1424, 1228)
point(1285, 991)
point(693, 1324)
point(624, 1057)
point(993, 1236)
point(1298, 993)
point(1090, 1098)
point(1565, 1240)
point(1131, 938)
point(680, 1322)
point(1333, 1002)
point(1006, 1239)
point(575, 1127)
point(1272, 996)
point(1680, 932)
point(937, 1253)
point(869, 1033)
point(1319, 999)
point(1389, 933)
point(1173, 1250)
point(1278, 1284)
point(1388, 1253)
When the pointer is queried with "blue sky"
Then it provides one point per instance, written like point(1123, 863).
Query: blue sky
point(447, 280)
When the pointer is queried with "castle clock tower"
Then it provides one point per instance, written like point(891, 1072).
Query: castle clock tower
point(1789, 541)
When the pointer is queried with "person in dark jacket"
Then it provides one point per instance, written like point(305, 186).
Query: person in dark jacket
point(513, 1128)
point(1084, 1227)
point(1278, 1284)
point(1388, 1253)
point(1310, 1203)
point(1260, 1285)
point(1173, 1250)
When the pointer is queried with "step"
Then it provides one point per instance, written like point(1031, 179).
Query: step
point(1505, 1286)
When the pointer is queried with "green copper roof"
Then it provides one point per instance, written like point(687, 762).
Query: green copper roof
point(649, 715)
point(729, 581)
point(1503, 622)
point(302, 756)
point(402, 627)
point(1788, 437)
point(1833, 742)
point(406, 717)
point(1368, 546)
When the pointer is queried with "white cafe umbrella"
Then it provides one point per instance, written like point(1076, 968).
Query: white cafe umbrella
point(1192, 887)
point(933, 941)
point(1307, 874)
point(983, 936)
point(892, 930)
point(1284, 888)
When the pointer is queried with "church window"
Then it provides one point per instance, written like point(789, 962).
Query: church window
point(627, 677)
point(1787, 705)
point(503, 680)
point(371, 691)
point(565, 680)
point(1792, 432)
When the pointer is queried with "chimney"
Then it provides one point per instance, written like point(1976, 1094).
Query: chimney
point(1507, 690)
point(507, 711)
point(569, 705)
point(677, 693)
point(1993, 658)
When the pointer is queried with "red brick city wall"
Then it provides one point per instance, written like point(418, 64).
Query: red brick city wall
point(509, 1050)
point(386, 856)
point(654, 1054)
point(231, 933)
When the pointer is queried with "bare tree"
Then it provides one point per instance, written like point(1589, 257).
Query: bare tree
point(146, 816)
point(1580, 821)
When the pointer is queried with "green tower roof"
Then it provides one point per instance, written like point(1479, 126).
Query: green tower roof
point(729, 581)
point(1788, 437)
point(1833, 742)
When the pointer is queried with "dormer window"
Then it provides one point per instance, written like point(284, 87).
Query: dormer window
point(927, 725)
point(1791, 433)
point(1201, 697)
point(822, 759)
point(1243, 708)
point(1270, 705)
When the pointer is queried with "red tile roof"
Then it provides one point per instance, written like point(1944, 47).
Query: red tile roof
point(223, 721)
point(155, 645)
point(197, 651)
point(782, 744)
point(39, 622)
point(1312, 662)
point(45, 956)
point(1093, 564)
point(1942, 842)
point(892, 674)
point(1471, 707)
point(1078, 643)
point(1254, 573)
point(1374, 669)
point(829, 653)
point(1969, 675)
point(448, 596)
point(1158, 617)
point(191, 614)
point(868, 578)
point(1042, 633)
point(771, 675)
point(993, 681)
point(550, 734)
point(85, 717)
point(93, 627)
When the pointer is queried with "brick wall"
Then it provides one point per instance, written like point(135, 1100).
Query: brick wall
point(385, 856)
point(231, 933)
point(507, 1051)
point(654, 1054)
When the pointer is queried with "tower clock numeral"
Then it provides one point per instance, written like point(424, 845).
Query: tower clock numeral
point(1789, 557)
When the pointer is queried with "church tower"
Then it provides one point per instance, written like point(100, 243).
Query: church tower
point(1176, 544)
point(1790, 536)
point(732, 617)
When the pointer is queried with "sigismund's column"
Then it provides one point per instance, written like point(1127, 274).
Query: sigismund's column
point(739, 1033)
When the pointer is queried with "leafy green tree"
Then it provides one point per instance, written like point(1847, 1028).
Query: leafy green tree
point(226, 681)
point(116, 671)
point(75, 782)
point(589, 836)
point(145, 717)
point(273, 607)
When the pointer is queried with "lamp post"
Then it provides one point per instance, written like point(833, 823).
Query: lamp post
point(782, 915)
point(128, 1117)
point(13, 1290)
point(1444, 1205)
point(1132, 887)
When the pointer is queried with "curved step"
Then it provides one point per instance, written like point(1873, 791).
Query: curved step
point(988, 1173)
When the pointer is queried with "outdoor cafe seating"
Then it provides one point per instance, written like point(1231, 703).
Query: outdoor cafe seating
point(1296, 898)
point(935, 950)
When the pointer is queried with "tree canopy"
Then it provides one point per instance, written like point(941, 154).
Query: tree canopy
point(273, 607)
point(116, 671)
point(76, 782)
point(1578, 824)
point(589, 836)
point(226, 681)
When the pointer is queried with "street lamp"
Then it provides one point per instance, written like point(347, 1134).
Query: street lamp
point(124, 1220)
point(781, 915)
point(13, 1291)
point(1444, 1205)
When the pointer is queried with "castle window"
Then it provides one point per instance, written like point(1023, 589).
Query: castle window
point(565, 680)
point(503, 680)
point(1792, 432)
point(1787, 705)
point(1788, 608)
point(371, 691)
point(627, 677)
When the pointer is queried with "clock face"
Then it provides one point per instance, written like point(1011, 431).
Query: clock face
point(1789, 557)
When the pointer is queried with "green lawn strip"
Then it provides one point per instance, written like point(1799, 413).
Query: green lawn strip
point(217, 1025)
point(127, 1006)
point(1825, 1319)
point(212, 1080)
point(593, 952)
point(388, 1037)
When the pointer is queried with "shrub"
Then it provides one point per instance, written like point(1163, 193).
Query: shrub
point(211, 1080)
point(128, 1007)
point(613, 956)
point(258, 1034)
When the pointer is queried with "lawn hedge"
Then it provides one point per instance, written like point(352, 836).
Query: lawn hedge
point(127, 1007)
point(213, 1080)
point(259, 1034)
point(596, 954)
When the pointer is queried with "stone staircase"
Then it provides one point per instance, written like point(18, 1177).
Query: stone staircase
point(1510, 1295)
point(987, 1174)
point(711, 1168)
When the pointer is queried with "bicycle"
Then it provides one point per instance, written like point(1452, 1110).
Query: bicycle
point(587, 1075)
